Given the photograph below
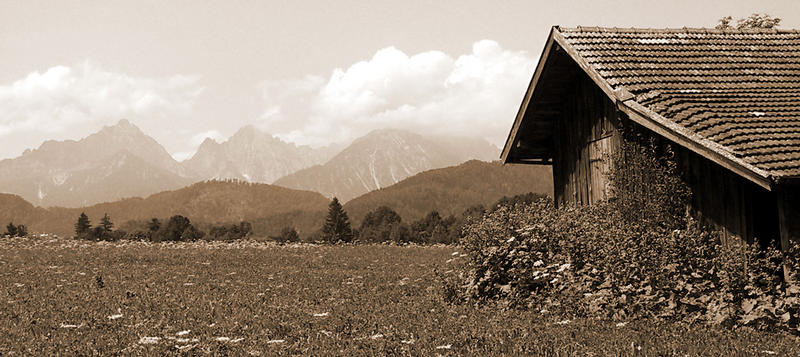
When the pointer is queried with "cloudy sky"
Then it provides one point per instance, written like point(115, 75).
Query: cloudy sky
point(310, 72)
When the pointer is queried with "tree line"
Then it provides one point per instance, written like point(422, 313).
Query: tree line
point(16, 230)
point(381, 225)
point(178, 228)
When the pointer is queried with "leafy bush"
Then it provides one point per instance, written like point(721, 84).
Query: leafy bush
point(174, 230)
point(638, 255)
point(288, 235)
point(231, 232)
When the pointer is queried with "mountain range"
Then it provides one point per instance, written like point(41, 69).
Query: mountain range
point(254, 156)
point(121, 161)
point(383, 158)
point(116, 162)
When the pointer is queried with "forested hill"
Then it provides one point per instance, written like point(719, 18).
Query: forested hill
point(452, 190)
point(268, 207)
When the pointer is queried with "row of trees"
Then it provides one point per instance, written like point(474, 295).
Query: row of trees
point(383, 224)
point(178, 228)
point(16, 231)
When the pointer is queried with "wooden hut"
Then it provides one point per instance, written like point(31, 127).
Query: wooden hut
point(728, 100)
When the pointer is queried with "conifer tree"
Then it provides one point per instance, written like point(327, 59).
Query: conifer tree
point(83, 225)
point(337, 225)
point(105, 222)
point(154, 225)
point(22, 231)
point(11, 229)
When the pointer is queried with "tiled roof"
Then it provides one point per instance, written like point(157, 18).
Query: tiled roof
point(737, 88)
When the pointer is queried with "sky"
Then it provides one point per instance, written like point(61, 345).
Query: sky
point(309, 72)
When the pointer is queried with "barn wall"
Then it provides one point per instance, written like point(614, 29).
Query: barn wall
point(737, 207)
point(789, 212)
point(585, 137)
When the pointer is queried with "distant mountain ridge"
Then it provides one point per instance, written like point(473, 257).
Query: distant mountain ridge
point(383, 158)
point(121, 161)
point(116, 162)
point(253, 156)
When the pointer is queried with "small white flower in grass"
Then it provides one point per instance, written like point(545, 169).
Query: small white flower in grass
point(149, 340)
point(376, 336)
point(621, 324)
point(182, 333)
point(320, 314)
point(223, 339)
point(563, 322)
point(184, 347)
point(114, 317)
point(444, 347)
point(275, 341)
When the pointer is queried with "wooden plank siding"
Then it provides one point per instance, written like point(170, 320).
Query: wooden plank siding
point(737, 207)
point(789, 213)
point(585, 138)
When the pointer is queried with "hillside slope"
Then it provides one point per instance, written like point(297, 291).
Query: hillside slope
point(452, 190)
point(383, 158)
point(268, 207)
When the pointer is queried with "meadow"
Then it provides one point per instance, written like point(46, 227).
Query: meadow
point(248, 298)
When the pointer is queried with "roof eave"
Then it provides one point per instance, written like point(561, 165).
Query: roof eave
point(512, 134)
point(696, 143)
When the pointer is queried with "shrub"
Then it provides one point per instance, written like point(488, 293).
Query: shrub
point(288, 235)
point(16, 231)
point(173, 230)
point(379, 224)
point(231, 232)
point(11, 230)
point(638, 255)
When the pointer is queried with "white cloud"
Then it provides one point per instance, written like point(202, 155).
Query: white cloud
point(69, 102)
point(476, 94)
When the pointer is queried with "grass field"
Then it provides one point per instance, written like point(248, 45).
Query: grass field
point(69, 297)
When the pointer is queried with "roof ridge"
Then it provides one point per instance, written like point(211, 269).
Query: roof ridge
point(674, 30)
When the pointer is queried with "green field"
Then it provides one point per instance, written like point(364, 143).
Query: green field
point(70, 297)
